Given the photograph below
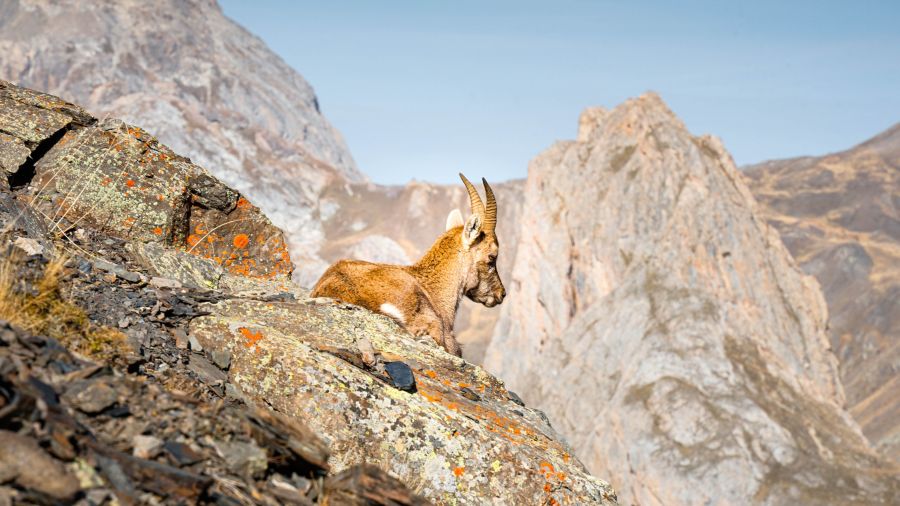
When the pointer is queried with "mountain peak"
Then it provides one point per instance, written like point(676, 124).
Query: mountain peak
point(675, 321)
point(637, 117)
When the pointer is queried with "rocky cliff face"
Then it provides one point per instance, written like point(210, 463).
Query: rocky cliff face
point(196, 279)
point(839, 215)
point(660, 321)
point(200, 82)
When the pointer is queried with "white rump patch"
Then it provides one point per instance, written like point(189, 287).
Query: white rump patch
point(392, 311)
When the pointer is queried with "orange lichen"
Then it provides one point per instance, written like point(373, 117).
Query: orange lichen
point(241, 241)
point(431, 374)
point(243, 203)
point(192, 240)
point(251, 337)
point(458, 471)
point(431, 395)
point(130, 183)
point(547, 469)
point(158, 230)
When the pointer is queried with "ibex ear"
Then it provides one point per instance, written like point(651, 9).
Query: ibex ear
point(454, 219)
point(471, 230)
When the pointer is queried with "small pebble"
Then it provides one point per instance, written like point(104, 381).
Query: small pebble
point(195, 344)
point(181, 339)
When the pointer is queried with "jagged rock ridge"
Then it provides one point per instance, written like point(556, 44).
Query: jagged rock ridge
point(143, 215)
point(201, 83)
point(839, 215)
point(667, 329)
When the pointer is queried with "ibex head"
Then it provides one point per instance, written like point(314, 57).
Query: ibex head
point(479, 241)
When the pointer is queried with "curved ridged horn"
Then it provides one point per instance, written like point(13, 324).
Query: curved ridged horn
point(474, 199)
point(490, 209)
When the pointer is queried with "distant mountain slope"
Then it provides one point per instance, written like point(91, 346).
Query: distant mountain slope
point(200, 82)
point(667, 331)
point(839, 215)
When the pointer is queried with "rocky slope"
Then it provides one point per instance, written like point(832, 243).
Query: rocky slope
point(839, 215)
point(661, 322)
point(203, 84)
point(147, 242)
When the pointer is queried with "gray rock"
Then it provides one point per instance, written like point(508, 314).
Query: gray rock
point(133, 277)
point(29, 246)
point(159, 282)
point(23, 462)
point(243, 458)
point(182, 342)
point(195, 344)
point(146, 447)
point(221, 358)
point(206, 371)
point(92, 396)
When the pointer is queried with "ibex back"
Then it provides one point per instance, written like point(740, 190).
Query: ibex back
point(424, 297)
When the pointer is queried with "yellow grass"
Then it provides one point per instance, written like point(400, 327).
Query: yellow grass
point(44, 311)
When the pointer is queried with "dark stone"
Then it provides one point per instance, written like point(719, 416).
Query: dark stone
point(515, 398)
point(401, 376)
point(468, 393)
point(182, 454)
point(206, 371)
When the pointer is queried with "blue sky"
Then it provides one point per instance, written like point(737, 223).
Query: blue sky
point(424, 89)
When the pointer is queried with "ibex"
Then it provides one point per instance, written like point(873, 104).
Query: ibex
point(424, 297)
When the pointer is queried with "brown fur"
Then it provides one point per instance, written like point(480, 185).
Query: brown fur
point(461, 262)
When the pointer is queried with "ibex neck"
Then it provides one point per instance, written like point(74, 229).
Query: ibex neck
point(441, 273)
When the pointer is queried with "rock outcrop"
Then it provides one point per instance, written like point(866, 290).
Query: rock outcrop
point(179, 260)
point(202, 84)
point(666, 330)
point(839, 215)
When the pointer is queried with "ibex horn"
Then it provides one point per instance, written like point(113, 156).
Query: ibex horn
point(490, 211)
point(474, 199)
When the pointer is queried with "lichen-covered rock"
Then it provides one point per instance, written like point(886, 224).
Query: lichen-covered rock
point(118, 178)
point(303, 358)
point(203, 84)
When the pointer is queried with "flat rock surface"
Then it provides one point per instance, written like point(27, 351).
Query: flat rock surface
point(301, 358)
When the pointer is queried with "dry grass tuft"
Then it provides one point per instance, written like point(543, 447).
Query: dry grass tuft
point(39, 307)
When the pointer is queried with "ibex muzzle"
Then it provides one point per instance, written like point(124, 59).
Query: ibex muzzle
point(424, 297)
